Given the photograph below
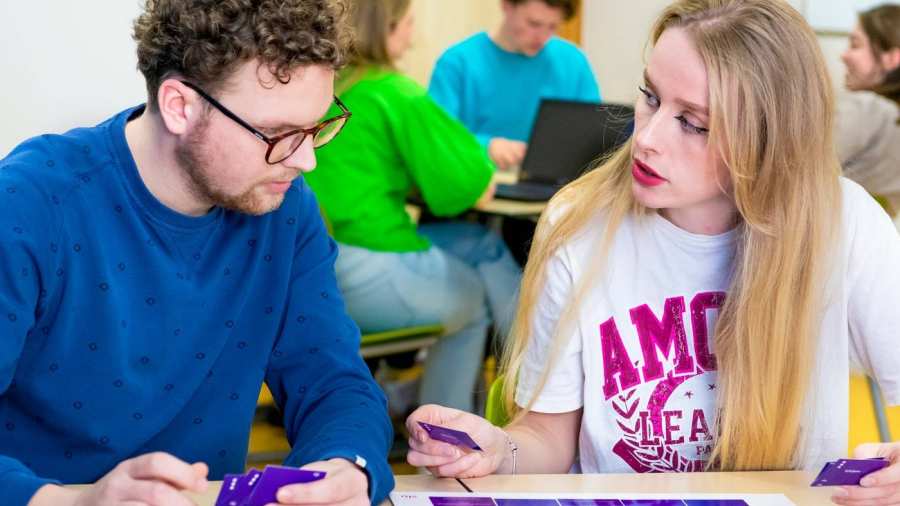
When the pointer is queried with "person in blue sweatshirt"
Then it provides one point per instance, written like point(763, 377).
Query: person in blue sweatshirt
point(158, 267)
point(494, 82)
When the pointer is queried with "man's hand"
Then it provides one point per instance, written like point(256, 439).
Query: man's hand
point(344, 484)
point(506, 153)
point(154, 479)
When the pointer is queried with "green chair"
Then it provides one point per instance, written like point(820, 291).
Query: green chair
point(494, 411)
point(886, 205)
point(400, 340)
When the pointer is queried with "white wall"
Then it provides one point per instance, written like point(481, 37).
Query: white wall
point(64, 64)
point(615, 33)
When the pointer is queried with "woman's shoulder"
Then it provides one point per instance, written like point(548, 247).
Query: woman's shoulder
point(384, 82)
point(862, 213)
point(560, 212)
point(866, 105)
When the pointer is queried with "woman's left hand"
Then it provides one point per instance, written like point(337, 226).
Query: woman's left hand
point(881, 488)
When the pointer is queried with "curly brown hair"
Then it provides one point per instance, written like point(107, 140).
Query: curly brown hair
point(205, 41)
point(569, 7)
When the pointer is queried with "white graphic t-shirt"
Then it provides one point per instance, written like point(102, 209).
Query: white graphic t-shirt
point(640, 357)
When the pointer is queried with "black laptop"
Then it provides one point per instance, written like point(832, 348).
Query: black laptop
point(567, 137)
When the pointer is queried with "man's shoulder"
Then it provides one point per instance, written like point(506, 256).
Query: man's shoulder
point(558, 47)
point(42, 163)
point(55, 157)
point(42, 174)
point(463, 49)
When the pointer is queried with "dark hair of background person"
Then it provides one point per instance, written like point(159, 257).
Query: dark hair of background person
point(568, 6)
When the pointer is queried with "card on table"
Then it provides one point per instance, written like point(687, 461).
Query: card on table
point(848, 471)
point(427, 498)
point(257, 488)
point(451, 436)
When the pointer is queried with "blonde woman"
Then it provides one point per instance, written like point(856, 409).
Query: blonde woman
point(868, 119)
point(697, 300)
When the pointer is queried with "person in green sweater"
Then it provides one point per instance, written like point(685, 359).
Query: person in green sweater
point(392, 272)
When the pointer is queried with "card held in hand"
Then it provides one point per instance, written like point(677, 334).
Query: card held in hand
point(258, 488)
point(275, 477)
point(848, 471)
point(451, 436)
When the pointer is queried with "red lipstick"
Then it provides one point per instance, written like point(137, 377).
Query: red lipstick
point(644, 175)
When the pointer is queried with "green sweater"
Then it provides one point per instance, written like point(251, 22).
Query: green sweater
point(397, 140)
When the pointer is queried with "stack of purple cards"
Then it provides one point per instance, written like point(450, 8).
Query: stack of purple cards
point(848, 471)
point(454, 437)
point(258, 488)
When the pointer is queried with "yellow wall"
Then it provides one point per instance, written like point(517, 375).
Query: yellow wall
point(863, 426)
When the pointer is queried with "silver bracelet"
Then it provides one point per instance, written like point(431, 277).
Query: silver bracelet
point(513, 449)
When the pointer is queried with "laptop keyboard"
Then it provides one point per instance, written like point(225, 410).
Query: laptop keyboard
point(526, 191)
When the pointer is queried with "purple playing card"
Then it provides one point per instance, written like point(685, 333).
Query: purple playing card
point(245, 486)
point(228, 494)
point(590, 502)
point(461, 501)
point(848, 471)
point(454, 437)
point(275, 477)
point(525, 502)
point(652, 502)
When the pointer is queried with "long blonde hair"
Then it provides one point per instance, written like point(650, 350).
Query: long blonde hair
point(770, 103)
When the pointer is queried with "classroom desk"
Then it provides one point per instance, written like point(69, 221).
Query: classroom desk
point(513, 208)
point(411, 483)
point(793, 484)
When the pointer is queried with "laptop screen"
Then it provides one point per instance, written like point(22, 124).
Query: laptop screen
point(568, 136)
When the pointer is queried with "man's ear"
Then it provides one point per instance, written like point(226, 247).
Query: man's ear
point(178, 106)
point(890, 59)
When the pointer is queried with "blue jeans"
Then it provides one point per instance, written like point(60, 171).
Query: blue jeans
point(465, 281)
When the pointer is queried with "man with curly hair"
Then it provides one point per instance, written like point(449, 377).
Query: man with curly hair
point(158, 267)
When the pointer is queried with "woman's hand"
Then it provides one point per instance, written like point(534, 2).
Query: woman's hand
point(880, 488)
point(444, 459)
